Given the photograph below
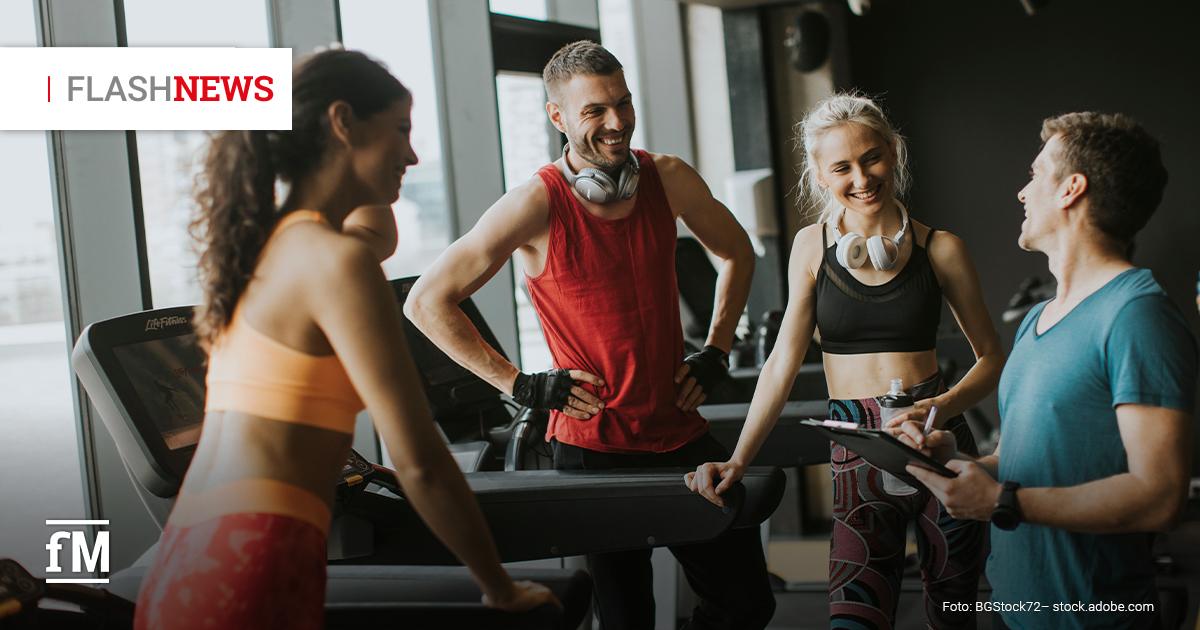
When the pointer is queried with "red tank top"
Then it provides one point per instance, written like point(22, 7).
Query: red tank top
point(609, 304)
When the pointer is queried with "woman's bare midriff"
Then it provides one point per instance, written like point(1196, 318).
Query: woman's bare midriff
point(866, 375)
point(237, 446)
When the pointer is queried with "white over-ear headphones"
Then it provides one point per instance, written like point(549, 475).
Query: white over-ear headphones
point(853, 250)
point(597, 186)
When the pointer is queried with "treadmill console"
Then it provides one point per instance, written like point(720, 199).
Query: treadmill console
point(144, 373)
point(462, 403)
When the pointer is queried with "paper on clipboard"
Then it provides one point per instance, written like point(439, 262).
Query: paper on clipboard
point(878, 447)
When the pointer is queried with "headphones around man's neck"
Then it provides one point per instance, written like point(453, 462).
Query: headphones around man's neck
point(597, 186)
point(853, 250)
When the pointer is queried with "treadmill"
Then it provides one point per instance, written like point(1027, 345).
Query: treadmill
point(144, 372)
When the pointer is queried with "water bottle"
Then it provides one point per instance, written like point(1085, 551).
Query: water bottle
point(894, 403)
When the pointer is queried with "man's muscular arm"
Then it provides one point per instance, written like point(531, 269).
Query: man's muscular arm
point(720, 233)
point(518, 219)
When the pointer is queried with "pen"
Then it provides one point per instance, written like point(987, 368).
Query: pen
point(929, 419)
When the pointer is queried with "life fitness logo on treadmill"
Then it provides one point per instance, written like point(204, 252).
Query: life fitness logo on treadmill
point(159, 323)
point(146, 88)
point(85, 559)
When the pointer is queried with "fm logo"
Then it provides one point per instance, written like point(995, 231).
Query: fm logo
point(84, 559)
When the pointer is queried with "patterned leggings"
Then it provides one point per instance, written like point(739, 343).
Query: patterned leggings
point(866, 558)
point(236, 572)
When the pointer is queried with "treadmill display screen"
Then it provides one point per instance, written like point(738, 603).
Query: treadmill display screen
point(168, 376)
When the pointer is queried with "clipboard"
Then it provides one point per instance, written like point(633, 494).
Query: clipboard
point(880, 449)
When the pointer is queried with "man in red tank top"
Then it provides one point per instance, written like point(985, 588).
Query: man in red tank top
point(595, 232)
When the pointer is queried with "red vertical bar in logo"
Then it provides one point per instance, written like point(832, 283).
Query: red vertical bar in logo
point(47, 88)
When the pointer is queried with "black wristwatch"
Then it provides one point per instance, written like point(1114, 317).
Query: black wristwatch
point(1007, 513)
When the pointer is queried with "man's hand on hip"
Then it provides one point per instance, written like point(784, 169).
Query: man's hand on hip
point(559, 390)
point(699, 374)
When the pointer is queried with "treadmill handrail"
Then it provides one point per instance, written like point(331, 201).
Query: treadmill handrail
point(576, 512)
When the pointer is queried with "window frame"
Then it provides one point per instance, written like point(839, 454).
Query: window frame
point(102, 264)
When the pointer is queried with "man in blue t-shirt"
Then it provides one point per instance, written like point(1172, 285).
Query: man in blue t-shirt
point(1095, 402)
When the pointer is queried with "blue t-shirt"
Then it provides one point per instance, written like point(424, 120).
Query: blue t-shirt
point(1125, 343)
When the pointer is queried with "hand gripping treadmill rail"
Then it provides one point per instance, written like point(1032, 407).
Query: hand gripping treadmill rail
point(144, 373)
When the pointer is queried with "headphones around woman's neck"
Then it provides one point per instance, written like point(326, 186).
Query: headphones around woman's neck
point(597, 186)
point(853, 250)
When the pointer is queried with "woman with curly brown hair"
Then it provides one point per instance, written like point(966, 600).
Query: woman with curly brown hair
point(303, 332)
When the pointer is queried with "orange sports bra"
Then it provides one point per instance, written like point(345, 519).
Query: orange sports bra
point(255, 374)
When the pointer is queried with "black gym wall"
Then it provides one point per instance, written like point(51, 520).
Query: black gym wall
point(970, 82)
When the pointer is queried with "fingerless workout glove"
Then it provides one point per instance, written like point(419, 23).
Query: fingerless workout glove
point(709, 367)
point(543, 390)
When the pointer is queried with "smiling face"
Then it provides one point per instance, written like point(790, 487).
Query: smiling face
point(383, 151)
point(1040, 198)
point(855, 164)
point(596, 114)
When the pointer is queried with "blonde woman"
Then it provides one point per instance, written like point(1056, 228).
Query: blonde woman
point(871, 279)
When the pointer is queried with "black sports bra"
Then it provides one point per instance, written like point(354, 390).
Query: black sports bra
point(900, 315)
